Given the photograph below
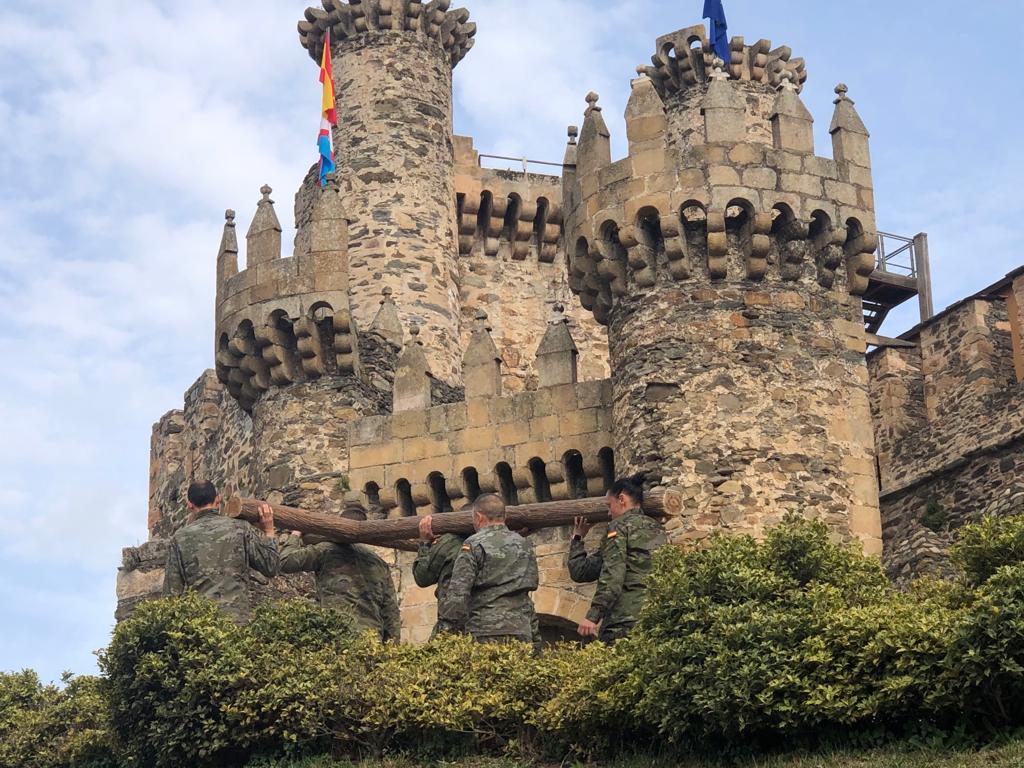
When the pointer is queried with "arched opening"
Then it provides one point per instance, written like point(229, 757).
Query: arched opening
point(512, 211)
point(606, 460)
point(575, 477)
point(439, 499)
point(506, 483)
point(483, 216)
point(539, 479)
point(470, 484)
point(403, 492)
point(372, 492)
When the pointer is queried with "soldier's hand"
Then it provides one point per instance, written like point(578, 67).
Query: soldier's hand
point(587, 628)
point(266, 518)
point(426, 528)
point(581, 527)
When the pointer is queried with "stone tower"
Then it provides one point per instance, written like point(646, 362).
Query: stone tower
point(727, 261)
point(287, 346)
point(394, 150)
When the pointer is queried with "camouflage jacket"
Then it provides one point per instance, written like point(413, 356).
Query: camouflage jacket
point(212, 556)
point(350, 578)
point(489, 592)
point(434, 563)
point(620, 568)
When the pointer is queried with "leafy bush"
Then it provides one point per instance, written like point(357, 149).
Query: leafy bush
point(745, 643)
point(795, 640)
point(43, 727)
point(985, 547)
point(188, 686)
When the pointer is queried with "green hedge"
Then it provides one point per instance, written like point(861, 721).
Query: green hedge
point(793, 641)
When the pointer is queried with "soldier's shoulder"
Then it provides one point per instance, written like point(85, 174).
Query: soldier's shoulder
point(368, 555)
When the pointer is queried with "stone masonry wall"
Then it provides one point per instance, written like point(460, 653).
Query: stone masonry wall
point(394, 152)
point(210, 439)
point(513, 266)
point(550, 444)
point(949, 422)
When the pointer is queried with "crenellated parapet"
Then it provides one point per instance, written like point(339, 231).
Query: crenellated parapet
point(283, 321)
point(451, 29)
point(511, 215)
point(684, 60)
point(719, 187)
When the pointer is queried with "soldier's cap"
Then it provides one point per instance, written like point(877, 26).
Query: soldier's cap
point(354, 511)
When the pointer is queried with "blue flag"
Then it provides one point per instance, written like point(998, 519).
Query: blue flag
point(719, 39)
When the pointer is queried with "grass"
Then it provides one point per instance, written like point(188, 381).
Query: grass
point(1006, 755)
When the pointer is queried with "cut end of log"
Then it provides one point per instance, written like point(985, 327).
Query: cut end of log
point(234, 507)
point(672, 502)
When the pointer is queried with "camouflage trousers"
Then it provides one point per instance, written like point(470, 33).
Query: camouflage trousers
point(611, 634)
point(502, 639)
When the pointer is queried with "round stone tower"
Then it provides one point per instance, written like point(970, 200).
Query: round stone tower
point(727, 261)
point(393, 62)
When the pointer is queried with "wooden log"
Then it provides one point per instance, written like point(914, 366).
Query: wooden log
point(549, 514)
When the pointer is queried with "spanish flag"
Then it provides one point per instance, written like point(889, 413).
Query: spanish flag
point(328, 113)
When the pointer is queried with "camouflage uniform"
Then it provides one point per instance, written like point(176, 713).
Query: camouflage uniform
point(620, 568)
point(350, 578)
point(433, 565)
point(213, 555)
point(489, 592)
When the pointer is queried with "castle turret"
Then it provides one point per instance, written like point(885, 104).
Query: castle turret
point(727, 261)
point(393, 62)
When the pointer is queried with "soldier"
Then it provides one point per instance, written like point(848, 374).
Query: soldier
point(621, 566)
point(349, 577)
point(435, 560)
point(489, 593)
point(212, 554)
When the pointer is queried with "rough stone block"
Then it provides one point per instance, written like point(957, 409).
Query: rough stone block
point(364, 456)
point(801, 183)
point(544, 428)
point(578, 423)
point(478, 412)
point(474, 439)
point(416, 448)
point(409, 424)
point(763, 178)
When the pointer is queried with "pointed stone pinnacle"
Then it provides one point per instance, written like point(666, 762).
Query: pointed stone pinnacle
point(574, 132)
point(718, 70)
point(841, 91)
point(786, 81)
point(386, 293)
point(229, 217)
point(265, 190)
point(592, 98)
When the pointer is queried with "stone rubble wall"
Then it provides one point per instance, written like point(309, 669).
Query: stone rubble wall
point(513, 266)
point(395, 157)
point(949, 423)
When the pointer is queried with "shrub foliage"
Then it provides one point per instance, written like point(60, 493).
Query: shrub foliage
point(791, 641)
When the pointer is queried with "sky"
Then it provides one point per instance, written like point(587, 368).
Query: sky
point(127, 127)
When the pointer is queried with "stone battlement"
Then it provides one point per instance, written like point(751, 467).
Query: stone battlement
point(684, 60)
point(718, 185)
point(430, 21)
point(949, 421)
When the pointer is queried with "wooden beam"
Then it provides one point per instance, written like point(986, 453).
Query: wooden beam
point(549, 514)
point(884, 341)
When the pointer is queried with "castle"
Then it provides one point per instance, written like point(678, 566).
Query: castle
point(700, 309)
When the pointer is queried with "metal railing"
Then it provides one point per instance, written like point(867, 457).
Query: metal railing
point(897, 254)
point(524, 160)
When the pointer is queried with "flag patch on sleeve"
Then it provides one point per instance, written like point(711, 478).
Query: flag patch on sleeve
point(612, 534)
point(465, 547)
